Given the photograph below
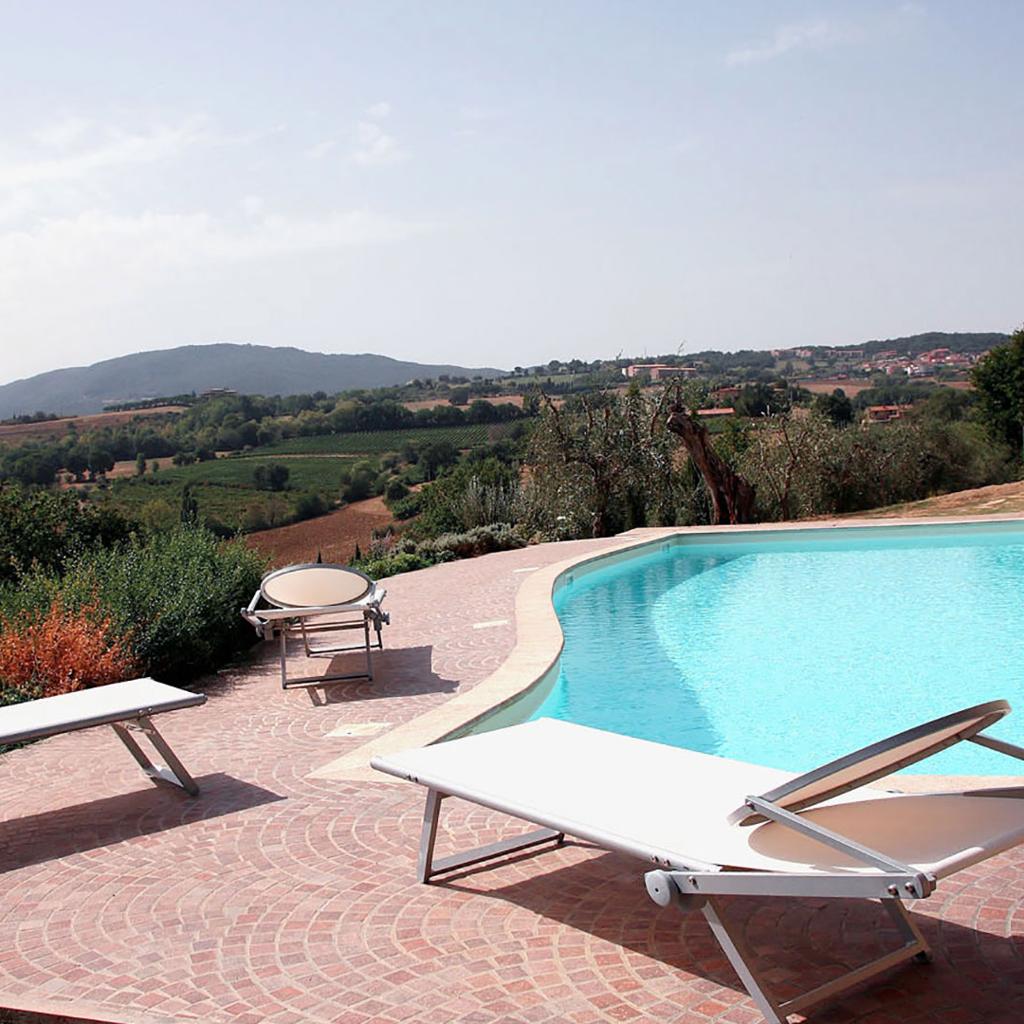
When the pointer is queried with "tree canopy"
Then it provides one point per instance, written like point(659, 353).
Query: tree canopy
point(999, 381)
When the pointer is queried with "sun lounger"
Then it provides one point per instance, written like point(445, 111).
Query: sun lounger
point(127, 707)
point(318, 598)
point(699, 821)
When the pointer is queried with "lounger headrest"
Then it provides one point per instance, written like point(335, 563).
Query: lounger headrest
point(877, 760)
point(315, 585)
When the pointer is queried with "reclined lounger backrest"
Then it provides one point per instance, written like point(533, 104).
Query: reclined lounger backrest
point(876, 760)
point(315, 585)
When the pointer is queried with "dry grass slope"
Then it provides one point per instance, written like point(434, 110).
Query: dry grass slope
point(334, 535)
point(980, 501)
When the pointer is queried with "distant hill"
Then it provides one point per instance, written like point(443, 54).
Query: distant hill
point(915, 344)
point(251, 369)
point(912, 345)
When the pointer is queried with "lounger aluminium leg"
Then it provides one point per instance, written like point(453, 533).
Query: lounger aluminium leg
point(369, 653)
point(908, 929)
point(320, 652)
point(283, 631)
point(777, 1011)
point(174, 772)
point(431, 815)
point(739, 956)
point(379, 618)
point(427, 867)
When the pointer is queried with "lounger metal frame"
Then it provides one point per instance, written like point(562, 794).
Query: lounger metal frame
point(125, 724)
point(365, 614)
point(172, 771)
point(696, 886)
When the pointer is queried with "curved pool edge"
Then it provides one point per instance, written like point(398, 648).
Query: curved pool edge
point(530, 669)
point(535, 653)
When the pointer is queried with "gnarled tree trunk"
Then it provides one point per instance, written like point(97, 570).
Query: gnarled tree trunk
point(732, 497)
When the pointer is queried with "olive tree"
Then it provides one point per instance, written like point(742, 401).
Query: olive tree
point(603, 461)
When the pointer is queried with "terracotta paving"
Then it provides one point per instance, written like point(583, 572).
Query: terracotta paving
point(277, 897)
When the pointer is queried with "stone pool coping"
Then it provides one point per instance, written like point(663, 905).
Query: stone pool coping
point(539, 644)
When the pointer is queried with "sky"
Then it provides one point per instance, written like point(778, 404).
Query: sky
point(504, 182)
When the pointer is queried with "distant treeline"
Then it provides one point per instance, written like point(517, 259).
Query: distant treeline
point(31, 417)
point(151, 403)
point(232, 423)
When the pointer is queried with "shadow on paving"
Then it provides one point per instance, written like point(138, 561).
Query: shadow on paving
point(797, 944)
point(52, 834)
point(397, 672)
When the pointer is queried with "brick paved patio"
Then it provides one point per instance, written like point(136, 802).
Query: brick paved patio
point(278, 897)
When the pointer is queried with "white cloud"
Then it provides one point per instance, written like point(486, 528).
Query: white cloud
point(15, 205)
point(375, 146)
point(814, 35)
point(62, 133)
point(115, 149)
point(168, 240)
point(252, 206)
point(321, 149)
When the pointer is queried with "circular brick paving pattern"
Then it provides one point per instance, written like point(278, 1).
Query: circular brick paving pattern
point(277, 897)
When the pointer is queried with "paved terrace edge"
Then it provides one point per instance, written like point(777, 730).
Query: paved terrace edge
point(539, 643)
point(42, 1010)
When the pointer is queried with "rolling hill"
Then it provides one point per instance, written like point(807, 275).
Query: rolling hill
point(252, 369)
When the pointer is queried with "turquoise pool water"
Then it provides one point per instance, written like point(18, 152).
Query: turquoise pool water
point(789, 653)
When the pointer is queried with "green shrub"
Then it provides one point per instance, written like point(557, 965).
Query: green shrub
point(481, 540)
point(474, 493)
point(272, 477)
point(407, 507)
point(393, 564)
point(175, 596)
point(42, 529)
point(359, 482)
point(310, 505)
point(395, 490)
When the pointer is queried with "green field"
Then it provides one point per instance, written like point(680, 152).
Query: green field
point(224, 488)
point(226, 492)
point(316, 473)
point(376, 442)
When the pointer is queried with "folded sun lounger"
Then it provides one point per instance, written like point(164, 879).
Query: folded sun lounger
point(318, 598)
point(126, 707)
point(712, 826)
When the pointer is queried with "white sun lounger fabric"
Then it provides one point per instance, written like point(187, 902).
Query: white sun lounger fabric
point(671, 806)
point(316, 585)
point(127, 707)
point(710, 826)
point(100, 705)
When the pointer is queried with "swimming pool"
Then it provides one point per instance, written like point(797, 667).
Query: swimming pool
point(789, 648)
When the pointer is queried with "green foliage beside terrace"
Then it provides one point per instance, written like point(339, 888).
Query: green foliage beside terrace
point(42, 529)
point(77, 582)
point(174, 596)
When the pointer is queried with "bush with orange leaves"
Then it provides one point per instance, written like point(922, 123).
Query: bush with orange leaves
point(60, 650)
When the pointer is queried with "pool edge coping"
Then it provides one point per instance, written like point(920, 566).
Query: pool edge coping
point(539, 642)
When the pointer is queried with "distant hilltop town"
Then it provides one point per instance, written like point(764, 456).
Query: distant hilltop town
point(944, 357)
point(888, 361)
